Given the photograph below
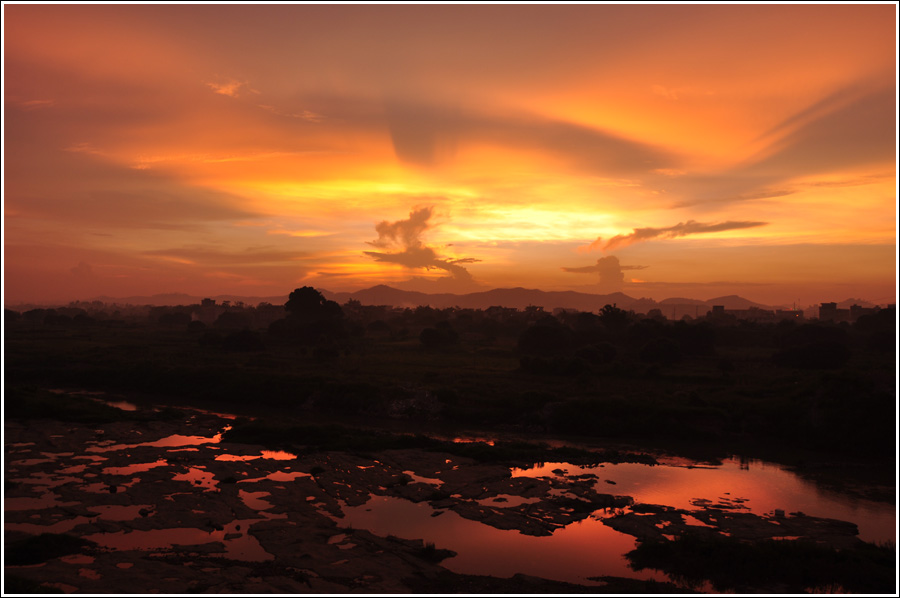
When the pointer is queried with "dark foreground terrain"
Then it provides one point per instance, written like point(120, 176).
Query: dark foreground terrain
point(365, 402)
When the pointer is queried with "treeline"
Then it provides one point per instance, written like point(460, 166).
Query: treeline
point(565, 342)
point(609, 373)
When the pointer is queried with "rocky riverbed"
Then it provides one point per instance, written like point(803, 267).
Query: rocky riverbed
point(166, 506)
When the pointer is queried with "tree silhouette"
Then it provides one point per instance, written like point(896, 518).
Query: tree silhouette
point(615, 320)
point(309, 305)
point(311, 317)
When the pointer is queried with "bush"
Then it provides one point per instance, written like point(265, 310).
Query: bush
point(546, 338)
point(661, 351)
point(442, 335)
point(244, 340)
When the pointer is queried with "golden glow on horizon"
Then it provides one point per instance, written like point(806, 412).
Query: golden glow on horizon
point(171, 158)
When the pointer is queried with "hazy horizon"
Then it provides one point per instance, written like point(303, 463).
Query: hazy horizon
point(656, 150)
point(164, 298)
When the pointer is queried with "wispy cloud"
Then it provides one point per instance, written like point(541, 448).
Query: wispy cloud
point(35, 104)
point(217, 256)
point(300, 233)
point(428, 134)
point(230, 88)
point(404, 237)
point(839, 133)
point(682, 229)
point(308, 115)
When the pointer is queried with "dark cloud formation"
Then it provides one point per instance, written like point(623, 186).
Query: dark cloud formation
point(425, 134)
point(404, 236)
point(422, 135)
point(610, 271)
point(682, 229)
point(852, 127)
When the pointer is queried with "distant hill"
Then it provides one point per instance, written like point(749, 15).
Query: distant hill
point(735, 302)
point(521, 298)
point(683, 301)
point(846, 303)
point(517, 297)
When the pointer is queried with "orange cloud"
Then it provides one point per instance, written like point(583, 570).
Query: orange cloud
point(682, 229)
point(410, 251)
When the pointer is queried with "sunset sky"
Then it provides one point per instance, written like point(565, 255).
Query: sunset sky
point(662, 151)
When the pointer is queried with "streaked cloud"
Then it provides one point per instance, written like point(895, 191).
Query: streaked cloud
point(36, 104)
point(682, 229)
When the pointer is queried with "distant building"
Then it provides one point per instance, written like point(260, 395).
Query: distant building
point(856, 311)
point(830, 312)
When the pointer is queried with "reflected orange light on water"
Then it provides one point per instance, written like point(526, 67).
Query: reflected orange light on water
point(574, 553)
point(754, 486)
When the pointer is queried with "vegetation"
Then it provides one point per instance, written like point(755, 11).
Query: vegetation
point(729, 384)
point(795, 565)
point(34, 403)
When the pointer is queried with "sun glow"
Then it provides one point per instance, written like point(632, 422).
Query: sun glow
point(130, 143)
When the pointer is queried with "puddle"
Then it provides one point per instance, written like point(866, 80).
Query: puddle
point(691, 520)
point(505, 501)
point(254, 500)
point(175, 440)
point(275, 455)
point(279, 476)
point(423, 480)
point(123, 405)
point(574, 553)
point(35, 503)
point(244, 547)
point(468, 439)
point(743, 486)
point(136, 468)
point(198, 477)
point(109, 513)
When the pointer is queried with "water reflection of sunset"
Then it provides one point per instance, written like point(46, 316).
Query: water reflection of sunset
point(758, 487)
point(580, 550)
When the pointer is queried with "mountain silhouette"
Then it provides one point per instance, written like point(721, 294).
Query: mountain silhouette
point(521, 298)
point(517, 297)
